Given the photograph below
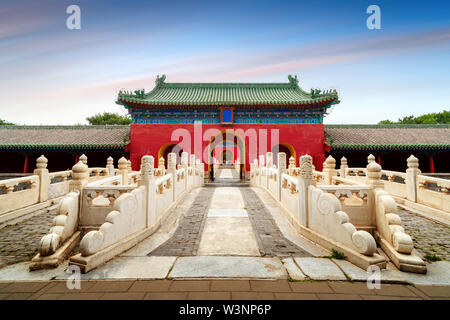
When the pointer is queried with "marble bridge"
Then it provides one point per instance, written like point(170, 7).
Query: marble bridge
point(113, 226)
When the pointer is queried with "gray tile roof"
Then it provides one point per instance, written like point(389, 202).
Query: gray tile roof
point(388, 136)
point(63, 136)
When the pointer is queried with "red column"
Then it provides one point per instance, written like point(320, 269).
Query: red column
point(25, 164)
point(379, 158)
point(431, 163)
point(77, 155)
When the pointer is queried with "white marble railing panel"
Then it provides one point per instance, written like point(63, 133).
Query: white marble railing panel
point(18, 193)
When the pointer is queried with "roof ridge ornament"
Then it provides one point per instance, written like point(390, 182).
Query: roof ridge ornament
point(293, 80)
point(160, 80)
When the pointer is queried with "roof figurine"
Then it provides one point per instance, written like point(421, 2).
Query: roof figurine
point(293, 80)
point(160, 80)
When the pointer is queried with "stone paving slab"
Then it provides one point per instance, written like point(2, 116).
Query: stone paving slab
point(130, 268)
point(227, 198)
point(354, 272)
point(228, 236)
point(227, 213)
point(294, 272)
point(20, 272)
point(438, 273)
point(320, 268)
point(228, 267)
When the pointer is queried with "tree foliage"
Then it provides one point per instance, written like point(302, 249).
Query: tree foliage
point(428, 118)
point(108, 118)
point(5, 123)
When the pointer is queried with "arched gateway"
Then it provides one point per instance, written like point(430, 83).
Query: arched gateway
point(262, 117)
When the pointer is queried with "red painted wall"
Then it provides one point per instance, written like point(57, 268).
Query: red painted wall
point(147, 139)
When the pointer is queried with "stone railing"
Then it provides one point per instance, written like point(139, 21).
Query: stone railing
point(97, 201)
point(319, 177)
point(339, 180)
point(433, 192)
point(411, 186)
point(394, 183)
point(164, 193)
point(18, 193)
point(59, 183)
point(97, 173)
point(353, 200)
point(333, 209)
point(118, 212)
point(355, 172)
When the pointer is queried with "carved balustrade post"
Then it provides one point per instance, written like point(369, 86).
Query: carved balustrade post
point(375, 183)
point(172, 168)
point(291, 165)
point(305, 180)
point(148, 180)
point(262, 163)
point(44, 179)
point(269, 164)
point(80, 177)
point(184, 164)
point(110, 166)
point(412, 178)
point(281, 171)
point(329, 170)
point(343, 167)
point(123, 170)
point(161, 166)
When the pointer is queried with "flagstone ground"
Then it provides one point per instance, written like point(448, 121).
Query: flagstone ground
point(19, 242)
point(428, 236)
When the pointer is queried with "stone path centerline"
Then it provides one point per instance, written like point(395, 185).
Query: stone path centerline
point(230, 232)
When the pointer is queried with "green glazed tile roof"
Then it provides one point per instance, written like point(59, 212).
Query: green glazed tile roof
point(75, 137)
point(227, 94)
point(399, 137)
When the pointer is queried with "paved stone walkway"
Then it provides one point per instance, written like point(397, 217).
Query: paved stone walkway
point(20, 242)
point(217, 290)
point(428, 236)
point(186, 239)
point(270, 239)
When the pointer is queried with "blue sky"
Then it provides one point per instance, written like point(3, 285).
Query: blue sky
point(52, 75)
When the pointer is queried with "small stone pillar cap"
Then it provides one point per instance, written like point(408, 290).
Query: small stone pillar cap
point(83, 158)
point(413, 162)
point(79, 167)
point(330, 162)
point(41, 162)
point(373, 170)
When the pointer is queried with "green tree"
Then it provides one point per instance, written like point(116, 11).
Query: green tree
point(385, 122)
point(428, 118)
point(5, 123)
point(108, 118)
